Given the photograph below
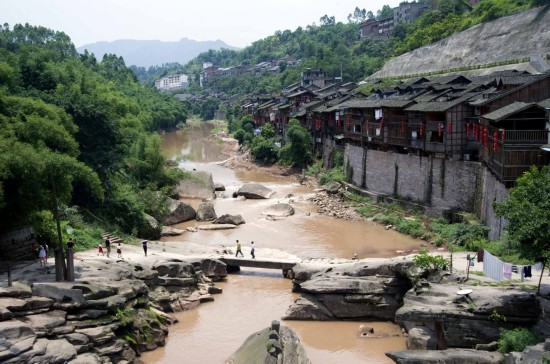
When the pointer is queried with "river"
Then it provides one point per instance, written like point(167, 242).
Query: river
point(253, 298)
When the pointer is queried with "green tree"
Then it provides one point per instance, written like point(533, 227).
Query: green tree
point(298, 149)
point(385, 12)
point(527, 209)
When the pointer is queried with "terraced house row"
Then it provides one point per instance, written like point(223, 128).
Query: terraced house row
point(499, 123)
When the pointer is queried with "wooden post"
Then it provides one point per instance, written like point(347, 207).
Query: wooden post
point(70, 265)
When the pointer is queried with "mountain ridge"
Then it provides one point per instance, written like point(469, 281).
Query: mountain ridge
point(147, 53)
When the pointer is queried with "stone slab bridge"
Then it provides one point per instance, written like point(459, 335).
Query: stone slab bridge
point(235, 264)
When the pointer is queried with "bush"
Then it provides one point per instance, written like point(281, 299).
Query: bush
point(315, 168)
point(413, 228)
point(264, 149)
point(430, 262)
point(332, 175)
point(516, 340)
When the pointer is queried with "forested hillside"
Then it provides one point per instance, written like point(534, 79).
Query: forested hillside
point(76, 135)
point(336, 48)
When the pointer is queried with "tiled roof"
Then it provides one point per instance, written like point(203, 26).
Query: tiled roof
point(507, 111)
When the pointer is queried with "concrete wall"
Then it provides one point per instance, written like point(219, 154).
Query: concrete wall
point(439, 183)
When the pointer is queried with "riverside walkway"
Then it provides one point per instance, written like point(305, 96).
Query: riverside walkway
point(235, 264)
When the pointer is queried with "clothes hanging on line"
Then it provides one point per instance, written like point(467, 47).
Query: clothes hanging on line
point(492, 266)
point(507, 271)
point(527, 271)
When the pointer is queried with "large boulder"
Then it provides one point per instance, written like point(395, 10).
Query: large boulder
point(361, 290)
point(332, 187)
point(279, 210)
point(255, 191)
point(206, 212)
point(150, 229)
point(179, 212)
point(463, 321)
point(201, 185)
point(171, 231)
point(229, 219)
point(273, 345)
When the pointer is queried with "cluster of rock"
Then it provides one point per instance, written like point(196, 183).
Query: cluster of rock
point(202, 186)
point(274, 345)
point(99, 320)
point(332, 203)
point(442, 326)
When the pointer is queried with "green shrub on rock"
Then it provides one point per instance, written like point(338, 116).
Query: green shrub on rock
point(516, 340)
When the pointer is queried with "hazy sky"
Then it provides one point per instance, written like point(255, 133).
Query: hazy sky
point(236, 22)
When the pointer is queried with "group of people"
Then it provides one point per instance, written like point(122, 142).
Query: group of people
point(118, 248)
point(252, 249)
point(108, 248)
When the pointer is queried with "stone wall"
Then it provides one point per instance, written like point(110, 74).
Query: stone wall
point(354, 163)
point(440, 183)
point(492, 190)
point(437, 182)
point(18, 244)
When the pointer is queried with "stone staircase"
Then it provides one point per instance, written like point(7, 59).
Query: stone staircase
point(113, 238)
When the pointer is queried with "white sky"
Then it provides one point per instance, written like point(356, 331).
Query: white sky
point(236, 22)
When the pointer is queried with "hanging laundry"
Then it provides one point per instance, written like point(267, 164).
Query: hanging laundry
point(527, 271)
point(507, 271)
point(538, 267)
point(492, 266)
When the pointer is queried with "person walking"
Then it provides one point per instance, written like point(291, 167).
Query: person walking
point(144, 243)
point(47, 249)
point(119, 250)
point(42, 256)
point(239, 249)
point(108, 247)
point(252, 248)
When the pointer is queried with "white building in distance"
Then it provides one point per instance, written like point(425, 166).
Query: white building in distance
point(171, 82)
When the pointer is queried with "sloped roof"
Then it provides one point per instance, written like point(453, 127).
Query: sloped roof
point(508, 110)
point(515, 89)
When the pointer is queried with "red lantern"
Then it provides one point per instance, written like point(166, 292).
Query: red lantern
point(486, 137)
point(449, 127)
point(502, 136)
point(467, 130)
point(495, 141)
point(421, 131)
point(367, 125)
point(439, 128)
point(382, 125)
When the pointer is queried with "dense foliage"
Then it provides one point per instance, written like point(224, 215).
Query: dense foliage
point(527, 208)
point(516, 340)
point(75, 131)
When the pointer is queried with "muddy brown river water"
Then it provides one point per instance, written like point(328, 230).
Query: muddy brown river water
point(253, 298)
